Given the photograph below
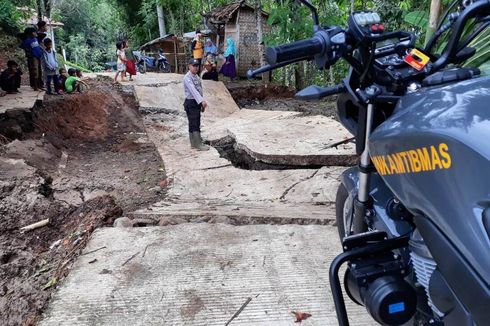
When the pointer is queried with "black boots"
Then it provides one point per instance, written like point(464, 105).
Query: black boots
point(196, 141)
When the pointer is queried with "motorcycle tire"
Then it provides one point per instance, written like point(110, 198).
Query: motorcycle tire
point(164, 68)
point(342, 199)
point(141, 69)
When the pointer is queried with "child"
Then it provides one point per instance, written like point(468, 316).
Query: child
point(10, 78)
point(33, 52)
point(63, 77)
point(73, 83)
point(42, 28)
point(78, 73)
point(209, 72)
point(130, 64)
point(50, 66)
point(121, 61)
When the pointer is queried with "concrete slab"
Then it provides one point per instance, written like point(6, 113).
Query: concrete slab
point(166, 92)
point(201, 274)
point(200, 180)
point(216, 131)
point(203, 184)
point(175, 211)
point(25, 100)
point(296, 141)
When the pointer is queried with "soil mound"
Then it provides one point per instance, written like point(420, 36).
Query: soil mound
point(81, 161)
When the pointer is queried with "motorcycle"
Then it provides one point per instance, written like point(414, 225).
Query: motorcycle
point(146, 63)
point(414, 215)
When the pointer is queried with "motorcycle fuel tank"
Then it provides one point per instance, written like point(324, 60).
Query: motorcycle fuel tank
point(434, 154)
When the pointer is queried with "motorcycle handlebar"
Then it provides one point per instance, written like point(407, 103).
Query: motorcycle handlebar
point(296, 51)
point(450, 51)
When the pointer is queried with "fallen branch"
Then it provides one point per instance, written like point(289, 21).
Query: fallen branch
point(239, 311)
point(127, 261)
point(144, 252)
point(35, 225)
point(345, 141)
point(216, 167)
point(86, 253)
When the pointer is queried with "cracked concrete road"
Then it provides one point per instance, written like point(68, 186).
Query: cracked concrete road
point(202, 274)
point(268, 240)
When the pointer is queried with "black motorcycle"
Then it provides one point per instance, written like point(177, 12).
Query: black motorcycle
point(414, 215)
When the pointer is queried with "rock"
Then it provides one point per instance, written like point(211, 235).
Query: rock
point(88, 195)
point(123, 222)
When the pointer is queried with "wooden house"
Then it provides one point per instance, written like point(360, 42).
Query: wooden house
point(174, 49)
point(238, 21)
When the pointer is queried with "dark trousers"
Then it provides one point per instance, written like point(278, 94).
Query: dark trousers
point(193, 111)
point(56, 82)
point(35, 76)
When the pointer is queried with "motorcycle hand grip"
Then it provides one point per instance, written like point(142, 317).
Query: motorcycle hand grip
point(295, 51)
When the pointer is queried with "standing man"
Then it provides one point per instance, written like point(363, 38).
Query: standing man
point(194, 104)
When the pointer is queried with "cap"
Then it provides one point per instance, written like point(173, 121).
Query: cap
point(194, 61)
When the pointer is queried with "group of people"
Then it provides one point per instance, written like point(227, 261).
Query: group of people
point(207, 54)
point(41, 62)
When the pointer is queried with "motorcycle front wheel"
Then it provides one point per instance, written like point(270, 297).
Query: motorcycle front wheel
point(164, 68)
point(344, 214)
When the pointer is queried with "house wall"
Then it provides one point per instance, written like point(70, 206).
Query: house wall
point(231, 31)
point(247, 44)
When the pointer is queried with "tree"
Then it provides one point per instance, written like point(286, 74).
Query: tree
point(44, 8)
point(435, 11)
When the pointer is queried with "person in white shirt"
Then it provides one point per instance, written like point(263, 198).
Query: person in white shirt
point(194, 104)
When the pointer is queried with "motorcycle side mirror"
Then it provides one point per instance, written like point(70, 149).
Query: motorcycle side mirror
point(315, 92)
point(464, 54)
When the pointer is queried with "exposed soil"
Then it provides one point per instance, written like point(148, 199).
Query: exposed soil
point(81, 161)
point(257, 96)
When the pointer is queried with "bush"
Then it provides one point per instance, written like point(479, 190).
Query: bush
point(9, 17)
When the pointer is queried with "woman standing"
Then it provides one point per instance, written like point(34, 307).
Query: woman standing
point(229, 69)
point(130, 63)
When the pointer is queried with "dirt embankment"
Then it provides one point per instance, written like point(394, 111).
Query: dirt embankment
point(258, 96)
point(83, 161)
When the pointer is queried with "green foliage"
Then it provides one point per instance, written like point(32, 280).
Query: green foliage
point(482, 57)
point(9, 17)
point(91, 30)
point(92, 27)
point(290, 23)
point(417, 18)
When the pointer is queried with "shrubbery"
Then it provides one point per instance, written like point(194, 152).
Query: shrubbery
point(9, 17)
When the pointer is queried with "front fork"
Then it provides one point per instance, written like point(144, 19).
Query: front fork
point(363, 202)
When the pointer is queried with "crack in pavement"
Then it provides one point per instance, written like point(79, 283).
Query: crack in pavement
point(284, 194)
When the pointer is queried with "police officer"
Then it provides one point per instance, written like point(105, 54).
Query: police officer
point(194, 104)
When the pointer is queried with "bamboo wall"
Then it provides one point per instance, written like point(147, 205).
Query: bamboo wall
point(243, 30)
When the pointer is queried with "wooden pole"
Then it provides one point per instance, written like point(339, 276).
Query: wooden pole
point(175, 56)
point(435, 11)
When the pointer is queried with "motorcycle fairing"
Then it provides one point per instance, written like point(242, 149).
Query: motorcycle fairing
point(450, 200)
